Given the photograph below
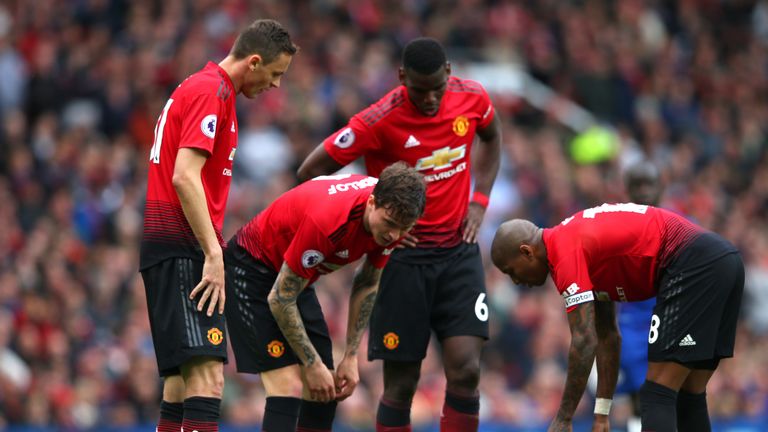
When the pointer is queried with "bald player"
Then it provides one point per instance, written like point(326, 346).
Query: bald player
point(631, 252)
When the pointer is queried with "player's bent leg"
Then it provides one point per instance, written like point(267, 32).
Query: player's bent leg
point(204, 384)
point(461, 360)
point(314, 416)
point(283, 387)
point(658, 396)
point(400, 382)
point(172, 405)
point(692, 412)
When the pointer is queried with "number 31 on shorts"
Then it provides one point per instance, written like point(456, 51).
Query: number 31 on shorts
point(653, 333)
point(481, 309)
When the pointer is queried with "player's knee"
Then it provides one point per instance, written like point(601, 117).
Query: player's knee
point(464, 376)
point(400, 390)
point(401, 380)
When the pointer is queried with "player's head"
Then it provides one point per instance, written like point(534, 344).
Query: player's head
point(425, 73)
point(265, 51)
point(518, 251)
point(643, 183)
point(397, 201)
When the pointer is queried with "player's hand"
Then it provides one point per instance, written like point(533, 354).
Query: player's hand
point(319, 382)
point(601, 423)
point(472, 222)
point(408, 240)
point(211, 285)
point(347, 377)
point(560, 425)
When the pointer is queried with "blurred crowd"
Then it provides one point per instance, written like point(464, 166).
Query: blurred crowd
point(682, 83)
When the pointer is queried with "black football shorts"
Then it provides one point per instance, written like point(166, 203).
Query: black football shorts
point(257, 341)
point(422, 290)
point(697, 306)
point(179, 331)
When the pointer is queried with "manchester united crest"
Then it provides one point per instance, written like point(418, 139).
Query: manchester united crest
point(276, 348)
point(215, 336)
point(461, 126)
point(391, 340)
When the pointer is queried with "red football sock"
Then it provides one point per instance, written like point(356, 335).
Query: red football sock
point(165, 425)
point(454, 421)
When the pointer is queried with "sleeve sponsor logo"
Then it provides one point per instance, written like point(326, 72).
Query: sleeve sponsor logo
point(461, 125)
point(579, 299)
point(208, 125)
point(571, 290)
point(345, 138)
point(311, 258)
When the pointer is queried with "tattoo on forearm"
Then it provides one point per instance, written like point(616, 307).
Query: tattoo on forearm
point(579, 359)
point(282, 303)
point(367, 276)
point(361, 301)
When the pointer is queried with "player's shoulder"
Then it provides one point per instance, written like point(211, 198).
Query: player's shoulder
point(467, 86)
point(383, 107)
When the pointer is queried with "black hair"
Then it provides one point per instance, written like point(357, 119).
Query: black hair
point(402, 191)
point(265, 37)
point(424, 55)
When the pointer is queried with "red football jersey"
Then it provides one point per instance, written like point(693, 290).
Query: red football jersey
point(316, 227)
point(393, 129)
point(199, 114)
point(614, 252)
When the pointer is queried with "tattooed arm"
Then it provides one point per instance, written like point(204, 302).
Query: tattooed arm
point(282, 303)
point(580, 358)
point(361, 300)
point(608, 349)
point(364, 289)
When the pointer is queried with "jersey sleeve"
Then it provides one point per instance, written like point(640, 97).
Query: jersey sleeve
point(199, 121)
point(571, 277)
point(485, 109)
point(309, 247)
point(350, 142)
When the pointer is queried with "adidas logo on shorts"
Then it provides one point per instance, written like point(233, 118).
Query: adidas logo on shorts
point(687, 341)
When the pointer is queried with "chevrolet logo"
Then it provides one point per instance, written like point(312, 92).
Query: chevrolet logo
point(441, 158)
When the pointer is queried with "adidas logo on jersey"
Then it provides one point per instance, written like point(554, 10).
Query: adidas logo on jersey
point(344, 254)
point(687, 341)
point(412, 142)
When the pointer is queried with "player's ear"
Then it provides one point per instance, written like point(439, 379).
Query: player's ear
point(526, 251)
point(254, 61)
point(372, 200)
point(401, 75)
point(448, 67)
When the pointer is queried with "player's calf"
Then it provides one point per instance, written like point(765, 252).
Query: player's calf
point(692, 414)
point(316, 416)
point(658, 407)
